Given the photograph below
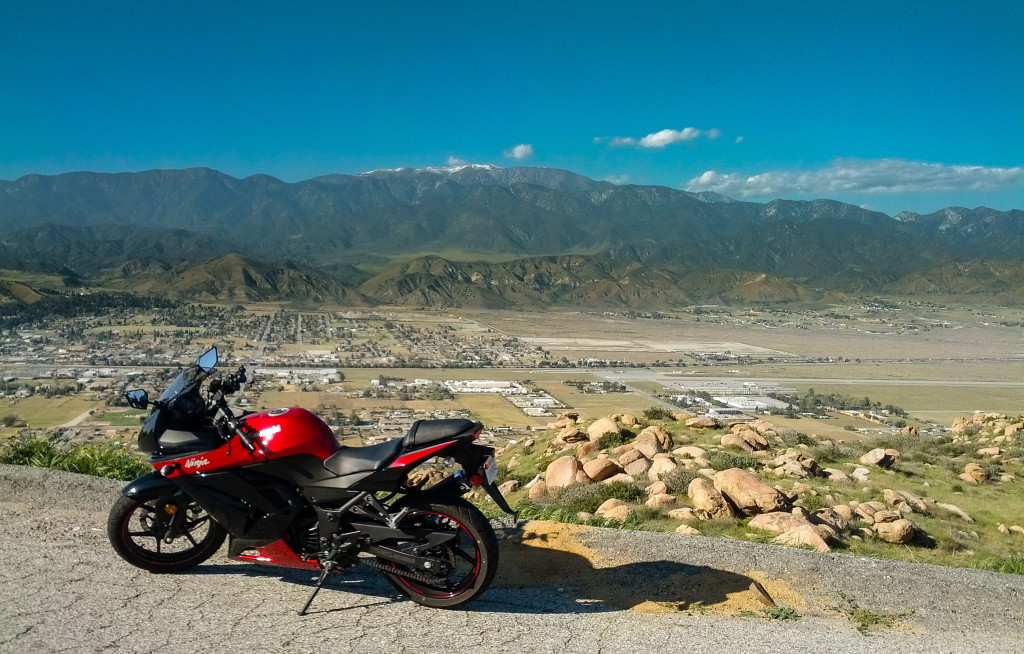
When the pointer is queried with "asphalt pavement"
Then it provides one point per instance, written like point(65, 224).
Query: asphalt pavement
point(65, 590)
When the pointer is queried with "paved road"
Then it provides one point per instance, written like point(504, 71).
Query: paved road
point(64, 590)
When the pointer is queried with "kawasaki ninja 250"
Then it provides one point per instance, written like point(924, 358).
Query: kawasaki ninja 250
point(281, 488)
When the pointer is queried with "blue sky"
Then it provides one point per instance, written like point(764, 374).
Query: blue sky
point(906, 105)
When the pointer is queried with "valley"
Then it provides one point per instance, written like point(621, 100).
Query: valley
point(933, 361)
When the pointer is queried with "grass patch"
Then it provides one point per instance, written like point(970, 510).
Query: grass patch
point(1013, 565)
point(588, 497)
point(865, 620)
point(105, 460)
point(783, 613)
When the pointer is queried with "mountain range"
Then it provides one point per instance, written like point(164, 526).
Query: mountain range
point(483, 236)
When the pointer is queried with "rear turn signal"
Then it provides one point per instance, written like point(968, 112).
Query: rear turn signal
point(476, 434)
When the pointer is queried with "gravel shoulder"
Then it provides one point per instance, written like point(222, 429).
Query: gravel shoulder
point(596, 590)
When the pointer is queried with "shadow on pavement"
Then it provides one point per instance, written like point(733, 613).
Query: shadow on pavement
point(545, 569)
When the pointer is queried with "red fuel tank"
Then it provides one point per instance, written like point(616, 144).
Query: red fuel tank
point(287, 432)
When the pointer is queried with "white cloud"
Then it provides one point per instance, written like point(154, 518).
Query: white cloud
point(456, 161)
point(875, 176)
point(618, 180)
point(662, 138)
point(739, 139)
point(520, 152)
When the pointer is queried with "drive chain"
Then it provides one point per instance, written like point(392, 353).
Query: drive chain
point(408, 574)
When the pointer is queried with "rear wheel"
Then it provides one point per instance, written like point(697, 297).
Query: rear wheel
point(464, 565)
point(163, 531)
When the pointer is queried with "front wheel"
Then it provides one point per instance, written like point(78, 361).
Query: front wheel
point(163, 531)
point(468, 560)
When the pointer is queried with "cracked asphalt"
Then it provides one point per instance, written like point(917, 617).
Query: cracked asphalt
point(63, 589)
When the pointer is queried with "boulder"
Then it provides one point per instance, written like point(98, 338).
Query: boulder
point(895, 531)
point(603, 426)
point(778, 522)
point(887, 516)
point(974, 473)
point(510, 486)
point(601, 469)
point(621, 478)
point(905, 500)
point(831, 518)
point(539, 492)
point(955, 510)
point(583, 478)
point(688, 530)
point(844, 511)
point(638, 467)
point(803, 536)
point(660, 434)
point(657, 488)
point(880, 457)
point(684, 514)
point(751, 436)
point(734, 442)
point(587, 448)
point(660, 467)
point(425, 477)
point(630, 456)
point(707, 501)
point(660, 500)
point(571, 434)
point(838, 476)
point(649, 446)
point(681, 416)
point(629, 419)
point(989, 451)
point(748, 493)
point(564, 420)
point(614, 509)
point(701, 422)
point(867, 510)
point(691, 451)
point(562, 473)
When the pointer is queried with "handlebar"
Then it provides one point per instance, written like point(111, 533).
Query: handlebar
point(224, 416)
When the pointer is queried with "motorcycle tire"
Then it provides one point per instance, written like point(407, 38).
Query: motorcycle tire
point(135, 525)
point(470, 559)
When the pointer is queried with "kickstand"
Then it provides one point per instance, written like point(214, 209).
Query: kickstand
point(328, 566)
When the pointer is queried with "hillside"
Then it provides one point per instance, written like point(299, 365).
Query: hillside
point(563, 239)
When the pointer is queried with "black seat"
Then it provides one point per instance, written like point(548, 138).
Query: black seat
point(423, 432)
point(350, 460)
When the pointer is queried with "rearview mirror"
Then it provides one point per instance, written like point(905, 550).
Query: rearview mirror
point(208, 360)
point(137, 399)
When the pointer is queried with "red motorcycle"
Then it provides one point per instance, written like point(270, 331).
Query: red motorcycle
point(286, 493)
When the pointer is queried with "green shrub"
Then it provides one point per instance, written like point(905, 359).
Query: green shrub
point(611, 439)
point(657, 413)
point(504, 474)
point(103, 460)
point(813, 502)
point(831, 453)
point(587, 497)
point(792, 439)
point(678, 480)
point(723, 460)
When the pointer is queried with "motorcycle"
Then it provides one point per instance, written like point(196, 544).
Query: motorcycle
point(281, 489)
